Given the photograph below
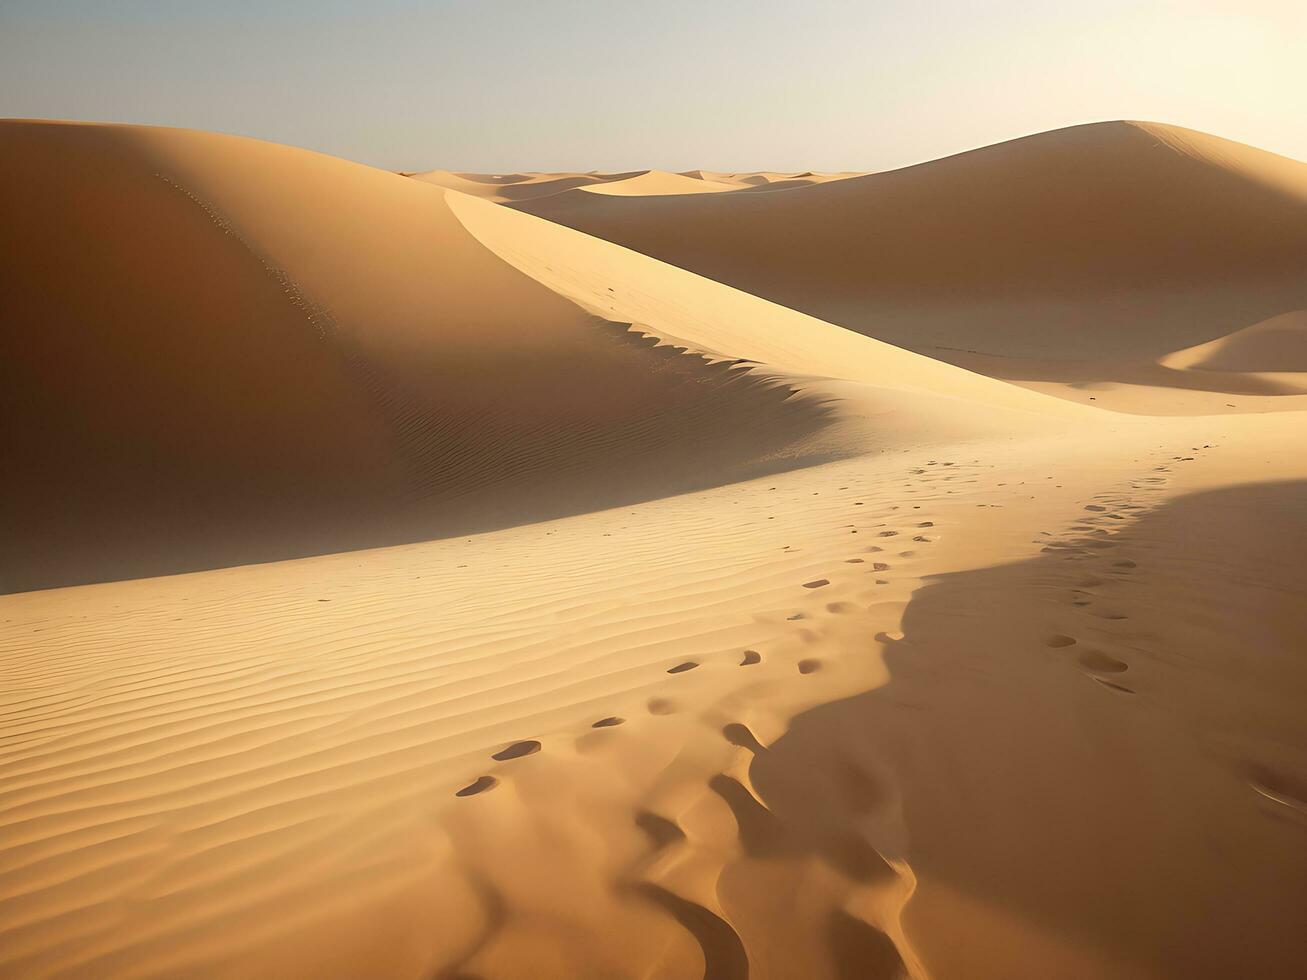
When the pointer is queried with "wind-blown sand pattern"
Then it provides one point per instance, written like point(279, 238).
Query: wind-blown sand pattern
point(577, 575)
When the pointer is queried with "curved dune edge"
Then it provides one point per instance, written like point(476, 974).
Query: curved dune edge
point(685, 308)
point(1093, 248)
point(347, 376)
point(1276, 345)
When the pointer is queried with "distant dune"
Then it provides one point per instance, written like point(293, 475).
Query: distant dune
point(503, 188)
point(1278, 343)
point(1112, 242)
point(656, 183)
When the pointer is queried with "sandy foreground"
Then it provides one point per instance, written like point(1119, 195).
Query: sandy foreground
point(528, 575)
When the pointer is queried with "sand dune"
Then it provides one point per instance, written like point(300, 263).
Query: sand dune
point(770, 181)
point(284, 377)
point(634, 624)
point(656, 183)
point(1277, 344)
point(503, 188)
point(683, 308)
point(1108, 242)
point(767, 179)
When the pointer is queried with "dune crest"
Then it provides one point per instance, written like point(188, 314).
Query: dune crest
point(293, 379)
point(1277, 344)
point(1105, 243)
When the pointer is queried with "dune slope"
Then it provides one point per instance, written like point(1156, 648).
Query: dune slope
point(780, 651)
point(1107, 242)
point(503, 188)
point(220, 350)
point(1277, 344)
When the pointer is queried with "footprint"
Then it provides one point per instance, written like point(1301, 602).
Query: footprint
point(682, 668)
point(841, 608)
point(740, 735)
point(790, 619)
point(1060, 640)
point(880, 566)
point(1120, 688)
point(1096, 507)
point(1278, 787)
point(809, 666)
point(751, 657)
point(922, 537)
point(1097, 660)
point(1102, 614)
point(612, 721)
point(1127, 563)
point(479, 785)
point(816, 583)
point(517, 750)
point(853, 561)
point(662, 832)
point(926, 524)
point(887, 534)
point(661, 706)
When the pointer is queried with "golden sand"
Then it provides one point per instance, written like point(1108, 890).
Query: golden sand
point(652, 575)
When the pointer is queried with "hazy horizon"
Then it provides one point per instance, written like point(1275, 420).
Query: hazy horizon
point(844, 86)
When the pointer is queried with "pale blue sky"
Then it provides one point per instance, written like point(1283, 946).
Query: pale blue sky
point(719, 84)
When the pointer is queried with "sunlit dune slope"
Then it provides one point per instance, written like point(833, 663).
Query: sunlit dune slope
point(1111, 241)
point(504, 188)
point(1276, 344)
point(909, 397)
point(219, 350)
point(965, 682)
point(655, 183)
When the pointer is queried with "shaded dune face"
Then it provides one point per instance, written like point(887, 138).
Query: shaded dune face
point(1106, 241)
point(1104, 657)
point(220, 351)
point(160, 385)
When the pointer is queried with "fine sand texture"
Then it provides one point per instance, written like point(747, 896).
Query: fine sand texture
point(445, 575)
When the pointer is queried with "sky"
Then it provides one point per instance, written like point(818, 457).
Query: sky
point(616, 85)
